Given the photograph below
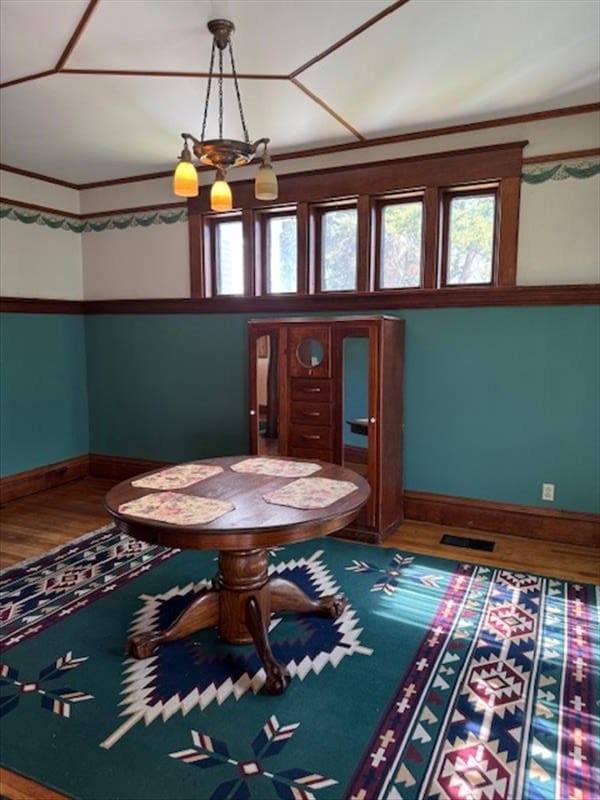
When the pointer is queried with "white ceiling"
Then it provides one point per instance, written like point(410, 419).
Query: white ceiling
point(428, 63)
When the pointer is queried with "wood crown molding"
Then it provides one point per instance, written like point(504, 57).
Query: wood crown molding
point(555, 525)
point(426, 133)
point(38, 176)
point(450, 297)
point(564, 156)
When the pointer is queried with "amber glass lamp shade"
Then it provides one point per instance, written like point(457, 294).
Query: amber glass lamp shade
point(220, 196)
point(185, 180)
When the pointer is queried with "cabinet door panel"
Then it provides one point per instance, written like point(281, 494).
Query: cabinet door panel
point(309, 351)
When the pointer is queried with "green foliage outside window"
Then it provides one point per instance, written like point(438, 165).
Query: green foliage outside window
point(282, 255)
point(401, 245)
point(471, 239)
point(338, 258)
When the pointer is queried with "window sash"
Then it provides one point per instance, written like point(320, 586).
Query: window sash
point(321, 231)
point(380, 233)
point(267, 247)
point(450, 197)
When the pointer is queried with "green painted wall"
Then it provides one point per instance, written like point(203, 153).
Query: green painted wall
point(497, 400)
point(43, 390)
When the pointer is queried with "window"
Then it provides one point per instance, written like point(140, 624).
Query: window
point(338, 249)
point(400, 244)
point(281, 253)
point(399, 230)
point(229, 257)
point(469, 238)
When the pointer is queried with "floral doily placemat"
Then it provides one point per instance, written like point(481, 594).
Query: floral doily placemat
point(177, 477)
point(310, 493)
point(276, 466)
point(178, 509)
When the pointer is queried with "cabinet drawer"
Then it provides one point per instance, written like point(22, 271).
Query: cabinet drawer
point(320, 455)
point(313, 436)
point(311, 389)
point(312, 413)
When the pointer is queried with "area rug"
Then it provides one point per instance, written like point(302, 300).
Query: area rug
point(441, 679)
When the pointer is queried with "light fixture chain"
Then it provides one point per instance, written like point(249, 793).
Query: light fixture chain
point(237, 91)
point(220, 94)
point(210, 75)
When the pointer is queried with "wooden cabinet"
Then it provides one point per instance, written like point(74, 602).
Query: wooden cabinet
point(331, 389)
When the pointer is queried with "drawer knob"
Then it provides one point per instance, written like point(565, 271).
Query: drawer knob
point(252, 412)
point(312, 389)
point(372, 420)
point(311, 413)
point(310, 436)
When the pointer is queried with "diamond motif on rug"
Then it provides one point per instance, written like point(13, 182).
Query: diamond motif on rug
point(509, 621)
point(473, 772)
point(494, 683)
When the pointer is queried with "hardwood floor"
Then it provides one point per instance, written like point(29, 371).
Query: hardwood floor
point(33, 525)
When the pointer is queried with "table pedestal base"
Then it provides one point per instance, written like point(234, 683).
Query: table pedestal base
point(240, 603)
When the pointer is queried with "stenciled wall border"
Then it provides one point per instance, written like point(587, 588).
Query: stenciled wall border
point(536, 170)
point(22, 212)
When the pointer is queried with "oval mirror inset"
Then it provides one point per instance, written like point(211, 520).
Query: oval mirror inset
point(310, 353)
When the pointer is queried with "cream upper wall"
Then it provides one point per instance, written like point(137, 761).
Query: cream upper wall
point(137, 262)
point(559, 232)
point(40, 193)
point(558, 241)
point(37, 261)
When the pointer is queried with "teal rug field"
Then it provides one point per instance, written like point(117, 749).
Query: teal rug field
point(441, 680)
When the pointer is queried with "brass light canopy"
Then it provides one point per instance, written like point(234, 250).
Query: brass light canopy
point(222, 154)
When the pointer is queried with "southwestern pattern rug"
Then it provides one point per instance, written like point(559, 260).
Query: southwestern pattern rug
point(441, 680)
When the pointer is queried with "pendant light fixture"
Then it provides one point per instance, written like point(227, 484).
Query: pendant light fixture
point(222, 154)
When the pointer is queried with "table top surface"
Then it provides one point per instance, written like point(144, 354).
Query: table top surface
point(254, 522)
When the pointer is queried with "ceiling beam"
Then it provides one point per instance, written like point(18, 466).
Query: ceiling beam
point(76, 35)
point(328, 109)
point(356, 32)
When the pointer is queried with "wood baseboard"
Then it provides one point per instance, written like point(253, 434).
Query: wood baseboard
point(36, 480)
point(356, 455)
point(573, 527)
point(532, 522)
point(120, 468)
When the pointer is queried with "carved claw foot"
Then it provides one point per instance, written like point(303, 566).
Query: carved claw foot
point(278, 678)
point(334, 605)
point(142, 645)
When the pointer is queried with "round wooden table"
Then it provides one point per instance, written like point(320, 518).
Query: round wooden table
point(242, 596)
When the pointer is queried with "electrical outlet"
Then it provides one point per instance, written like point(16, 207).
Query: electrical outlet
point(548, 492)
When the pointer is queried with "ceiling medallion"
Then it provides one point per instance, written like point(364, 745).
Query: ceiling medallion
point(222, 154)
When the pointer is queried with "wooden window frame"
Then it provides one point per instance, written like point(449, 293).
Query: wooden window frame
point(318, 211)
point(380, 205)
point(363, 186)
point(491, 190)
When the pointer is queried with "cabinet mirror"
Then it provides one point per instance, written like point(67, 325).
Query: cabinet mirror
point(355, 408)
point(267, 399)
point(310, 352)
